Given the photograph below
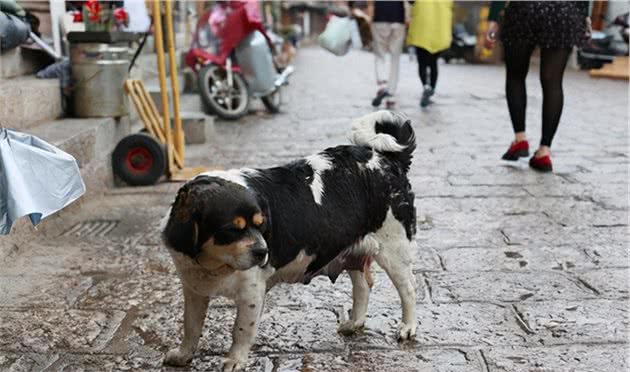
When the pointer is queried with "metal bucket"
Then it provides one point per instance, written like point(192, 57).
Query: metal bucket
point(98, 72)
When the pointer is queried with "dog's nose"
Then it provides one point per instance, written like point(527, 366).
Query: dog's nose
point(259, 252)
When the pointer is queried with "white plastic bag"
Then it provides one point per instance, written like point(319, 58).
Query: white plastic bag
point(337, 37)
point(36, 179)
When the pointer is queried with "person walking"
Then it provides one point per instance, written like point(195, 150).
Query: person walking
point(430, 32)
point(555, 27)
point(388, 35)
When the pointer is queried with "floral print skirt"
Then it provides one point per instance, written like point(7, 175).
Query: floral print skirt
point(546, 24)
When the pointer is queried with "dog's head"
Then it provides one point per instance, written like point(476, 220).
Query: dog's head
point(218, 223)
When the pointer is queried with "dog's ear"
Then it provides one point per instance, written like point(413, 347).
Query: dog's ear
point(182, 230)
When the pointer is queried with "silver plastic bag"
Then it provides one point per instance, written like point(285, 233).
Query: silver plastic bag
point(36, 179)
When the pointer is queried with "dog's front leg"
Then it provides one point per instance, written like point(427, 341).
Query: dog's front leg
point(248, 312)
point(195, 309)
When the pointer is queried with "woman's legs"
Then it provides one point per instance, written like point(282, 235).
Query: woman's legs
point(423, 63)
point(433, 57)
point(516, 67)
point(427, 60)
point(552, 65)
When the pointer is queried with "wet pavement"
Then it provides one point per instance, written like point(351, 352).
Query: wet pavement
point(516, 270)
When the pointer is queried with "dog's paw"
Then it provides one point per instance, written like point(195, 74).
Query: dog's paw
point(406, 331)
point(233, 365)
point(176, 357)
point(350, 327)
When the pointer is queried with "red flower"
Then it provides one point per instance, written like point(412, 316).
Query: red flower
point(94, 10)
point(77, 16)
point(120, 15)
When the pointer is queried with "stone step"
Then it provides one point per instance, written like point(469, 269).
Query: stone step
point(88, 140)
point(22, 61)
point(26, 101)
point(91, 142)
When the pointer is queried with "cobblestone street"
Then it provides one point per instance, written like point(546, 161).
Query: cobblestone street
point(516, 270)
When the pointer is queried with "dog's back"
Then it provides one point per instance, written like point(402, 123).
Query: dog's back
point(327, 203)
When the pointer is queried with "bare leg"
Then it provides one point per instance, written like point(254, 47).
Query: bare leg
point(195, 308)
point(360, 297)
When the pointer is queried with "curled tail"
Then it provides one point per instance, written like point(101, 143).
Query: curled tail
point(387, 132)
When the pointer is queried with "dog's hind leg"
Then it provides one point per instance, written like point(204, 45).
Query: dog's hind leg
point(394, 258)
point(195, 308)
point(360, 297)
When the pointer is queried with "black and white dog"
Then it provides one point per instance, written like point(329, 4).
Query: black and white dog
point(237, 233)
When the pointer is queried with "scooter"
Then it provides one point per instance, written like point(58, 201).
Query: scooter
point(462, 45)
point(233, 57)
point(605, 45)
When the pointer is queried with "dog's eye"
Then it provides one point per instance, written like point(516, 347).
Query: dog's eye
point(258, 219)
point(239, 223)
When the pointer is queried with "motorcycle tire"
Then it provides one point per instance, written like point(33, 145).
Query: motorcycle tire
point(273, 101)
point(210, 78)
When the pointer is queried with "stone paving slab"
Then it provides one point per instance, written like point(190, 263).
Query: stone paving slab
point(41, 291)
point(46, 330)
point(609, 283)
point(569, 236)
point(593, 321)
point(25, 361)
point(517, 258)
point(468, 324)
point(507, 287)
point(573, 358)
point(439, 239)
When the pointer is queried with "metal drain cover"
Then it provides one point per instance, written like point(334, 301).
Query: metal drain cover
point(96, 228)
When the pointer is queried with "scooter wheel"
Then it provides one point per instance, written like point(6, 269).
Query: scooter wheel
point(139, 160)
point(228, 103)
point(273, 101)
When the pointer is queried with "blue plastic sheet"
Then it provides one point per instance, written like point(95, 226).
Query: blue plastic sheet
point(36, 179)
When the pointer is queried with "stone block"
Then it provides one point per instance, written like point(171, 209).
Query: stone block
point(508, 287)
point(26, 101)
point(46, 330)
point(568, 358)
point(198, 127)
point(562, 322)
point(41, 291)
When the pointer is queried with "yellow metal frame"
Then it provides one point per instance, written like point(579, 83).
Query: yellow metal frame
point(158, 125)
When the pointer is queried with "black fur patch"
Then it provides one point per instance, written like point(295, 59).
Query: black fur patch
point(355, 202)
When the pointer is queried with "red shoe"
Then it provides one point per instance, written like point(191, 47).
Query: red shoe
point(541, 164)
point(517, 150)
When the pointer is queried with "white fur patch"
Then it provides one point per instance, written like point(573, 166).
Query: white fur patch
point(375, 162)
point(293, 272)
point(319, 163)
point(232, 175)
point(364, 132)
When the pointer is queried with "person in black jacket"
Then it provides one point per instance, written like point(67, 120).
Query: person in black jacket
point(555, 27)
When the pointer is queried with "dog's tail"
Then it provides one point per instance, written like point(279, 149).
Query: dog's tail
point(388, 132)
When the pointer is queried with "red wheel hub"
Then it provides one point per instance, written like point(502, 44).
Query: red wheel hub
point(139, 160)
